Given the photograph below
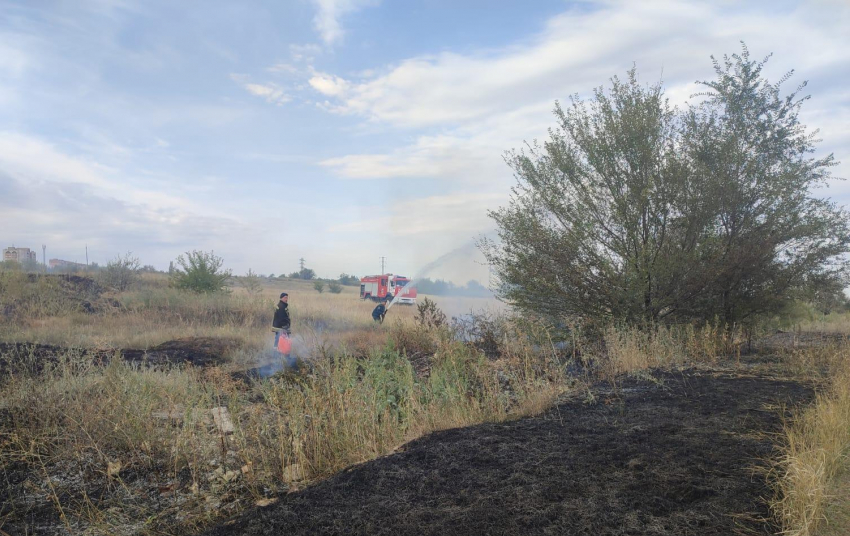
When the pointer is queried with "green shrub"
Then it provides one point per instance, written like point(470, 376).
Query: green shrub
point(200, 271)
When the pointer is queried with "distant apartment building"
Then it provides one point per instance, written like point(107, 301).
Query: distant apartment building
point(19, 254)
point(59, 263)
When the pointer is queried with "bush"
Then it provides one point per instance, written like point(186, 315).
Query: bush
point(200, 271)
point(334, 287)
point(429, 315)
point(306, 274)
point(345, 279)
point(121, 272)
point(319, 286)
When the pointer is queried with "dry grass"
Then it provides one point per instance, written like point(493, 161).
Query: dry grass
point(79, 427)
point(629, 349)
point(813, 473)
point(829, 323)
point(127, 433)
point(152, 314)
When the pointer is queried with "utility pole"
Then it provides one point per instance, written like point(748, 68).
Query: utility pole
point(44, 258)
point(383, 260)
point(302, 261)
point(87, 257)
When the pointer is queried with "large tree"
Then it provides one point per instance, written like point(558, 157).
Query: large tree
point(634, 210)
point(768, 234)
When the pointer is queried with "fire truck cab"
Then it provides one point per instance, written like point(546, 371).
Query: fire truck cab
point(385, 287)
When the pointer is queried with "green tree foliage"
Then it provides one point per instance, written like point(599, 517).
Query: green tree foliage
point(200, 271)
point(440, 287)
point(319, 286)
point(120, 273)
point(334, 287)
point(637, 211)
point(345, 279)
point(754, 160)
point(306, 274)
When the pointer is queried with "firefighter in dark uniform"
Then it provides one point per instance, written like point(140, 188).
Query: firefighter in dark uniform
point(379, 313)
point(281, 322)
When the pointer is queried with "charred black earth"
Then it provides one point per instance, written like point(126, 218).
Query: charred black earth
point(198, 351)
point(674, 454)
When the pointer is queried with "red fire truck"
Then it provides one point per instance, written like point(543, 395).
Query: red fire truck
point(382, 288)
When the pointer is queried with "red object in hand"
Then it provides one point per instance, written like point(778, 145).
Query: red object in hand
point(284, 344)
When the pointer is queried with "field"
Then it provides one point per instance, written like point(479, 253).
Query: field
point(156, 411)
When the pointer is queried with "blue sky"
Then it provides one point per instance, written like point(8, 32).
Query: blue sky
point(337, 130)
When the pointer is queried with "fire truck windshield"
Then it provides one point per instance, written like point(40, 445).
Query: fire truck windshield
point(400, 283)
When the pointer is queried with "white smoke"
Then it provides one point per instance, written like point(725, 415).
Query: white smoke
point(465, 251)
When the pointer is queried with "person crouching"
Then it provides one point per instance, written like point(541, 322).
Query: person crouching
point(379, 313)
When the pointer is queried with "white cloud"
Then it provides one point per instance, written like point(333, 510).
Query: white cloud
point(271, 92)
point(329, 14)
point(482, 104)
point(581, 49)
point(464, 212)
point(49, 195)
point(305, 53)
point(330, 85)
point(433, 157)
point(282, 68)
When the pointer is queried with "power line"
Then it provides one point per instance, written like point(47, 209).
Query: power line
point(302, 261)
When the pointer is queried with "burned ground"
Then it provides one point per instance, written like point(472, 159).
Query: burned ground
point(33, 358)
point(674, 453)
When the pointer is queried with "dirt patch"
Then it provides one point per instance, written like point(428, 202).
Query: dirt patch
point(34, 358)
point(674, 454)
point(199, 351)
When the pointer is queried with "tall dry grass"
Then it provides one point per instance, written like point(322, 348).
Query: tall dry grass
point(82, 427)
point(628, 349)
point(812, 476)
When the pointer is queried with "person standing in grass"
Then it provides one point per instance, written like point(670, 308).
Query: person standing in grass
point(281, 322)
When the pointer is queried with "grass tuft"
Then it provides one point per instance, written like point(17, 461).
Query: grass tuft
point(813, 471)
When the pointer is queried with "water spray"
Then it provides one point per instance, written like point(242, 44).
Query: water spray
point(425, 270)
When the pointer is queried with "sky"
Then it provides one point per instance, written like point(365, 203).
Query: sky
point(340, 131)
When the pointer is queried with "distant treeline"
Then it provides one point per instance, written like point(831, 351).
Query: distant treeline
point(440, 287)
